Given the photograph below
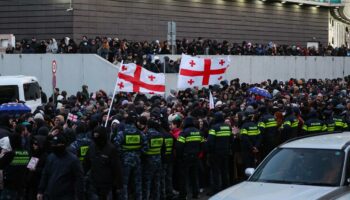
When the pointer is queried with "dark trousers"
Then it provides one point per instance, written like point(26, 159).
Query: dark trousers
point(219, 165)
point(167, 181)
point(189, 173)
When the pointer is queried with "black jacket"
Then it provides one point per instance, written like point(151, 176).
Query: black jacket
point(220, 139)
point(104, 165)
point(189, 142)
point(62, 178)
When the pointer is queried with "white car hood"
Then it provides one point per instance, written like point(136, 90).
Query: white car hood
point(272, 191)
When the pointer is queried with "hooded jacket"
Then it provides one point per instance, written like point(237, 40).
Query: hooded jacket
point(103, 160)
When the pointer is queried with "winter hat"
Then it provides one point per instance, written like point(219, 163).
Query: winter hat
point(125, 102)
point(39, 116)
point(115, 122)
point(218, 104)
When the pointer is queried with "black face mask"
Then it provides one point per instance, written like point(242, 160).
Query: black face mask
point(100, 141)
point(59, 150)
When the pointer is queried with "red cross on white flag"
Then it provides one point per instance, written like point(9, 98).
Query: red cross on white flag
point(196, 71)
point(72, 117)
point(134, 78)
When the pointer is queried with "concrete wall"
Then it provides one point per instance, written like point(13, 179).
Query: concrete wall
point(75, 70)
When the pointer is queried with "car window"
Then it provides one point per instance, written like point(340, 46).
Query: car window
point(302, 166)
point(8, 93)
point(31, 91)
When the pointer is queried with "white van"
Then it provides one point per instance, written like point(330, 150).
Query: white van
point(20, 88)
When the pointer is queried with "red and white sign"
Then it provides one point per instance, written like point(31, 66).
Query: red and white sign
point(196, 71)
point(54, 66)
point(72, 117)
point(134, 78)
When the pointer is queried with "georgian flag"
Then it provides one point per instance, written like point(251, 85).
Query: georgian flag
point(71, 117)
point(196, 71)
point(134, 78)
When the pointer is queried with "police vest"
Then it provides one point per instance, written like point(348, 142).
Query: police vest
point(339, 124)
point(82, 152)
point(155, 146)
point(191, 137)
point(132, 142)
point(315, 127)
point(21, 158)
point(224, 131)
point(250, 131)
point(269, 123)
point(169, 143)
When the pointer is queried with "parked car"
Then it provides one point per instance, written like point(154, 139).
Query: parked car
point(308, 168)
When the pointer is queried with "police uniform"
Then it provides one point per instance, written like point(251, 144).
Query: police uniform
point(251, 137)
point(80, 146)
point(290, 127)
point(188, 147)
point(339, 123)
point(313, 126)
point(270, 136)
point(167, 167)
point(330, 124)
point(131, 143)
point(15, 176)
point(152, 164)
point(219, 142)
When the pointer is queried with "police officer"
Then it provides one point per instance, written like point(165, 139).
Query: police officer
point(328, 120)
point(131, 143)
point(167, 165)
point(15, 173)
point(251, 140)
point(290, 124)
point(152, 162)
point(219, 143)
point(313, 125)
point(82, 142)
point(269, 131)
point(188, 147)
point(339, 121)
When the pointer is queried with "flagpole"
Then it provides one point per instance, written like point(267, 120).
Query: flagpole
point(164, 96)
point(115, 89)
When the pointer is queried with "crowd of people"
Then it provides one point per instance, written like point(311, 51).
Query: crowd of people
point(151, 147)
point(115, 49)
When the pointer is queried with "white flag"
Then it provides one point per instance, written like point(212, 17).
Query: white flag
point(134, 78)
point(196, 71)
point(211, 101)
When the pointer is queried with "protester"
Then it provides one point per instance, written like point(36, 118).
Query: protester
point(61, 169)
point(102, 162)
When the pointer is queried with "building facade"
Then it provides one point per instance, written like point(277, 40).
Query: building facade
point(232, 20)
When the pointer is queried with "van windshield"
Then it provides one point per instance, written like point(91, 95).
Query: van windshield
point(8, 93)
point(31, 91)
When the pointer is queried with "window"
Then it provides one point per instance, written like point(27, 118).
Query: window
point(8, 93)
point(302, 166)
point(31, 91)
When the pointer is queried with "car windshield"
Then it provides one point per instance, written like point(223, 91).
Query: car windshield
point(8, 93)
point(321, 167)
